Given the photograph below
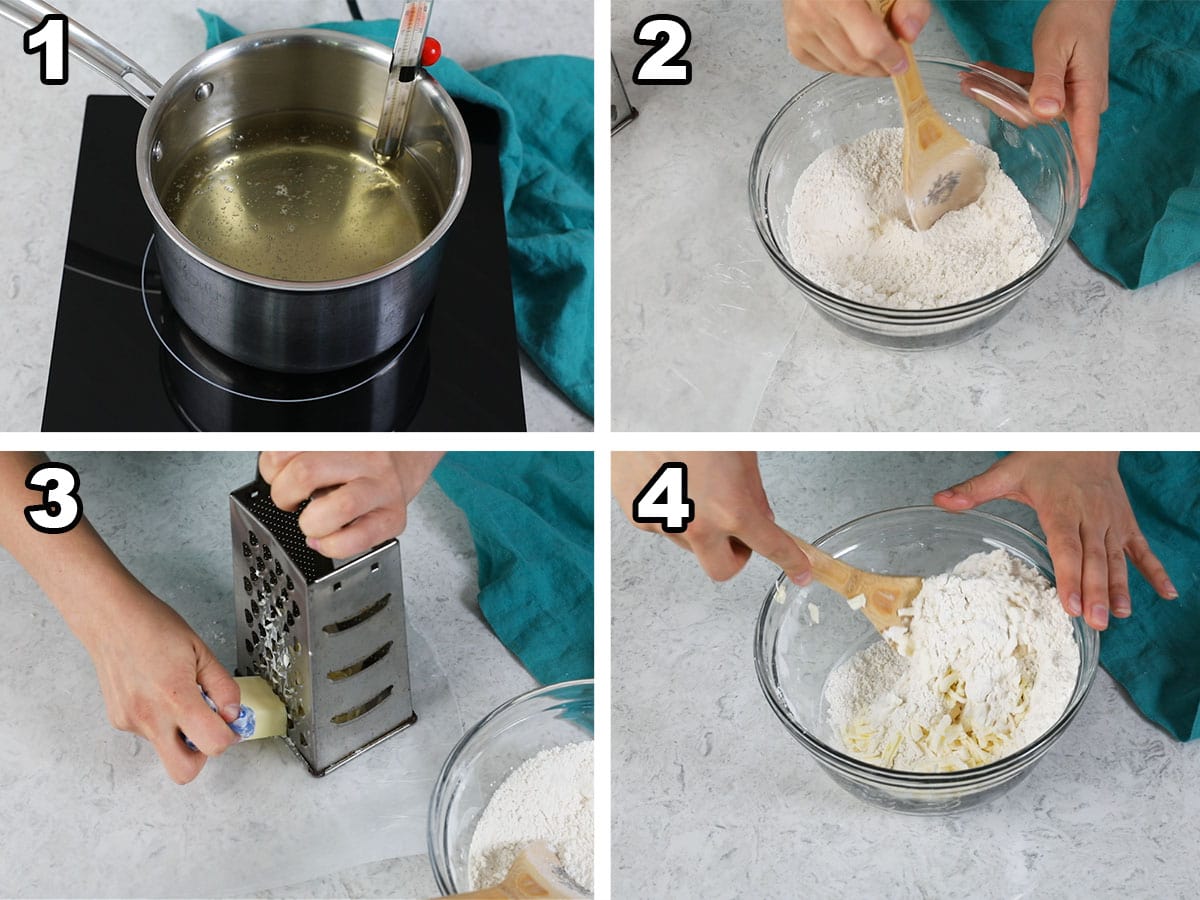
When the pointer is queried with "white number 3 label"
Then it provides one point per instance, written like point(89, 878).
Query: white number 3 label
point(61, 508)
point(664, 500)
point(664, 64)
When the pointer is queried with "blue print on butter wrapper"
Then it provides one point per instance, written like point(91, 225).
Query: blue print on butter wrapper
point(242, 726)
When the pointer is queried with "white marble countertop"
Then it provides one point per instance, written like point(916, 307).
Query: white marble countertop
point(42, 126)
point(708, 335)
point(712, 796)
point(89, 810)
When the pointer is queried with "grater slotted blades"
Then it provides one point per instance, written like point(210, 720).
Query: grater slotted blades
point(327, 635)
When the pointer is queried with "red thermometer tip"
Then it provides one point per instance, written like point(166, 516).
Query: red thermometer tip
point(431, 52)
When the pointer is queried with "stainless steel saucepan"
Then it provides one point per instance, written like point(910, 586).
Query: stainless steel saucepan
point(242, 115)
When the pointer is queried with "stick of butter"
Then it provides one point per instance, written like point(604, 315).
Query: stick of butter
point(262, 714)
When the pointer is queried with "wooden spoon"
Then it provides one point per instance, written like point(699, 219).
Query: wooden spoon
point(941, 172)
point(536, 872)
point(886, 595)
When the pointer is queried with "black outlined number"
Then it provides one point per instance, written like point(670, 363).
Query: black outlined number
point(49, 38)
point(61, 507)
point(664, 500)
point(670, 37)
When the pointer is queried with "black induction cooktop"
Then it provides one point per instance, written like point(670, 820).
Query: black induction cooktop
point(110, 371)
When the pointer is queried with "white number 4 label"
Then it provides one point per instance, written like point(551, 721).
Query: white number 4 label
point(664, 500)
point(670, 37)
point(49, 38)
point(61, 508)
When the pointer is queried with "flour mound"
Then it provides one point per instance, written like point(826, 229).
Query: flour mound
point(849, 231)
point(547, 798)
point(992, 667)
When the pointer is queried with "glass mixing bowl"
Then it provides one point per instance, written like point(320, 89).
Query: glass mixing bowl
point(984, 106)
point(795, 652)
point(503, 739)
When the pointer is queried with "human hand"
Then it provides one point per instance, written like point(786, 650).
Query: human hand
point(1070, 61)
point(847, 36)
point(359, 499)
point(1089, 526)
point(149, 662)
point(733, 517)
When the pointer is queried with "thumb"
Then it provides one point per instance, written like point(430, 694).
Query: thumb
point(1047, 94)
point(271, 463)
point(908, 17)
point(218, 684)
point(996, 482)
point(769, 540)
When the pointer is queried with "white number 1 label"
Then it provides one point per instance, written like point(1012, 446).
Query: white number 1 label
point(49, 38)
point(664, 500)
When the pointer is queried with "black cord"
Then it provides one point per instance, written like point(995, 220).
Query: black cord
point(355, 13)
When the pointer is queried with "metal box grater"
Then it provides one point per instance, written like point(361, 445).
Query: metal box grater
point(328, 635)
point(621, 111)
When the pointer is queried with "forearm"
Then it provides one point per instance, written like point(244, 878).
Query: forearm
point(1094, 8)
point(1085, 461)
point(75, 569)
point(419, 465)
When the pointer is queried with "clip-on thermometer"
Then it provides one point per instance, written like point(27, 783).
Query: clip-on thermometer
point(402, 75)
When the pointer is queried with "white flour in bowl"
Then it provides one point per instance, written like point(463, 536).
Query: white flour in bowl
point(991, 666)
point(548, 798)
point(849, 231)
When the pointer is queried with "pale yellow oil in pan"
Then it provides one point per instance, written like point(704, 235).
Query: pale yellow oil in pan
point(300, 198)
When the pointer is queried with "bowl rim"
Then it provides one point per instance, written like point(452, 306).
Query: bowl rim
point(996, 771)
point(898, 316)
point(436, 851)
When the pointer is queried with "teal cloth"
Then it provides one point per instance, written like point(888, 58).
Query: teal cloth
point(546, 162)
point(531, 518)
point(1142, 218)
point(1155, 653)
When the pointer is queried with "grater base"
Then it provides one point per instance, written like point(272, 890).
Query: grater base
point(317, 773)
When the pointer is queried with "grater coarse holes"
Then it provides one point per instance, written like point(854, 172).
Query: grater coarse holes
point(327, 635)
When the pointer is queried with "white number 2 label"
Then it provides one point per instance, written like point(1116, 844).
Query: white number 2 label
point(61, 508)
point(670, 37)
point(664, 500)
point(49, 38)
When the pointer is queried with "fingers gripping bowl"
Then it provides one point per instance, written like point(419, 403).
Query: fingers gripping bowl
point(989, 110)
point(795, 651)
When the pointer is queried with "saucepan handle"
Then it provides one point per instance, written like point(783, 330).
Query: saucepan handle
point(89, 47)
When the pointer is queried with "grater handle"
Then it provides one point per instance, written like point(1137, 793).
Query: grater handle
point(262, 484)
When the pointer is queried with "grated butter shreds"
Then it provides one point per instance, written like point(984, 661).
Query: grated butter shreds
point(992, 667)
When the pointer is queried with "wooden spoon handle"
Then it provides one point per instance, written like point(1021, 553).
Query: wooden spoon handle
point(536, 872)
point(833, 573)
point(922, 118)
point(499, 892)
